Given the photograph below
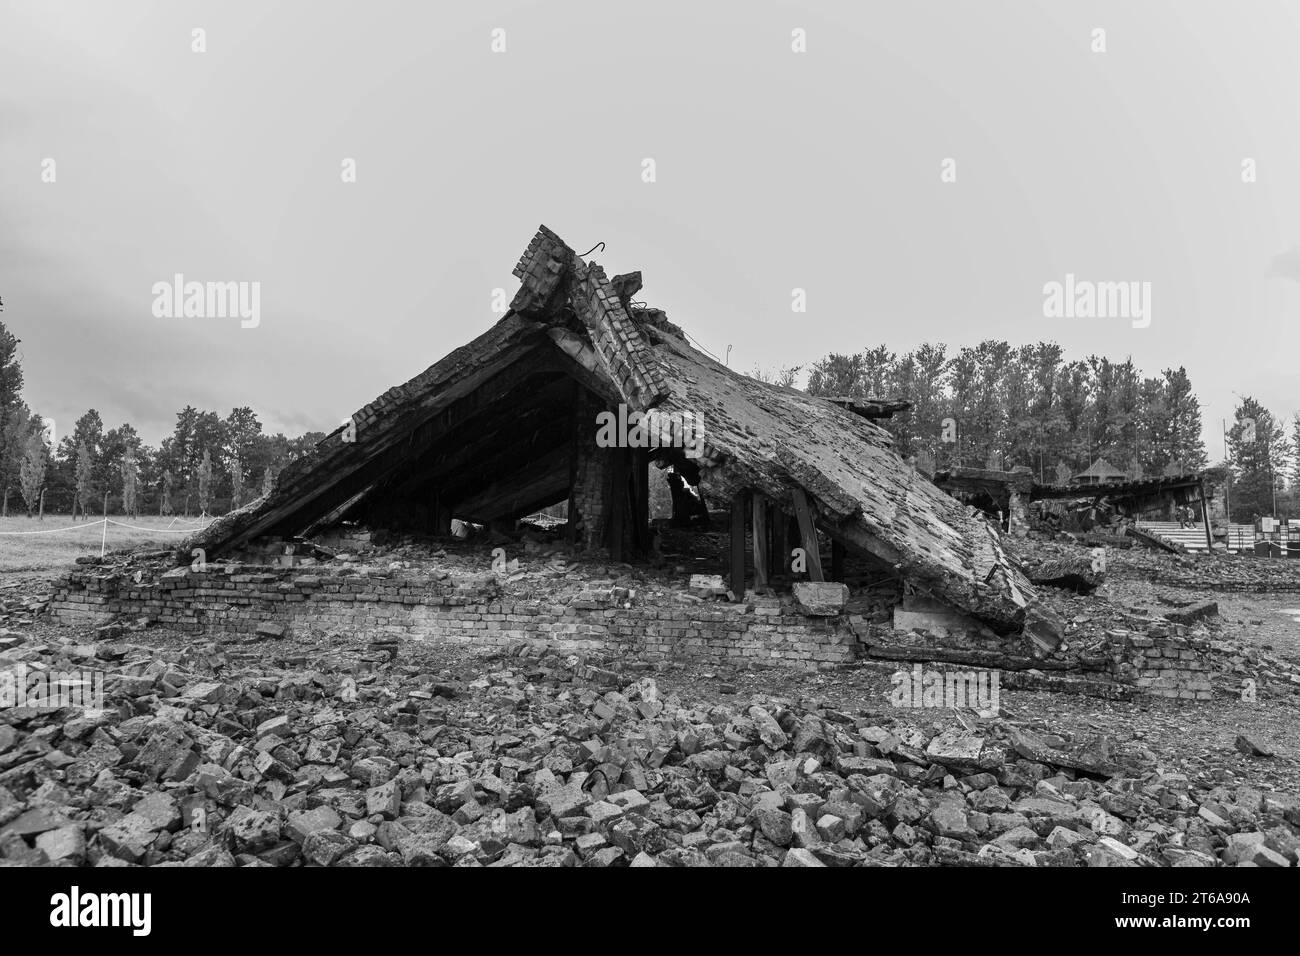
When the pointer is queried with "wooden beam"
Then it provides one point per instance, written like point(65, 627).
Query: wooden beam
point(441, 516)
point(737, 582)
point(535, 408)
point(641, 498)
point(808, 535)
point(780, 541)
point(384, 445)
point(571, 526)
point(1205, 517)
point(761, 553)
point(539, 478)
point(617, 502)
point(461, 408)
point(837, 561)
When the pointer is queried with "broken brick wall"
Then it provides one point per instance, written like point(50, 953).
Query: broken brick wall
point(470, 610)
point(223, 600)
point(1163, 665)
point(1165, 660)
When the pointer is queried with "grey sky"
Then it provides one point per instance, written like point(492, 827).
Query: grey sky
point(775, 170)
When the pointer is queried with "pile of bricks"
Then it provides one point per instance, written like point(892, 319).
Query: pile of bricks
point(206, 759)
point(1222, 573)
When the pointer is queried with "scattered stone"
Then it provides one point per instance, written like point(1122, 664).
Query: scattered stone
point(64, 844)
point(1250, 747)
point(334, 754)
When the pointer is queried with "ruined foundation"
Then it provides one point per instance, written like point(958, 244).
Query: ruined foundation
point(469, 611)
point(234, 600)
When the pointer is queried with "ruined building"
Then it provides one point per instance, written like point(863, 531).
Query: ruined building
point(507, 424)
point(521, 418)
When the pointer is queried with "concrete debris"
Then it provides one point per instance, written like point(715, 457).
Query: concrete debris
point(1075, 572)
point(821, 599)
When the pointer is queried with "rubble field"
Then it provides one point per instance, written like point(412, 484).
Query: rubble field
point(339, 749)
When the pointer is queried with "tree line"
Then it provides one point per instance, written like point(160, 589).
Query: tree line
point(209, 464)
point(987, 405)
point(1001, 406)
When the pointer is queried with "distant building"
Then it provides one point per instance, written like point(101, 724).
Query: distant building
point(1100, 472)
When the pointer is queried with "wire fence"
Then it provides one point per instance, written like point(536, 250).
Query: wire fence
point(105, 521)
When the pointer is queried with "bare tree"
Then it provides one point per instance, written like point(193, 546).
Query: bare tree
point(130, 481)
point(165, 505)
point(31, 475)
point(205, 481)
point(84, 490)
point(236, 484)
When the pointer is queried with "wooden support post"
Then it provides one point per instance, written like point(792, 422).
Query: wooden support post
point(737, 582)
point(571, 524)
point(776, 552)
point(618, 502)
point(760, 544)
point(1205, 517)
point(786, 531)
point(441, 515)
point(641, 498)
point(808, 535)
point(837, 561)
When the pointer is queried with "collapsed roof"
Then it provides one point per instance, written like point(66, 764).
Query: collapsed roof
point(491, 427)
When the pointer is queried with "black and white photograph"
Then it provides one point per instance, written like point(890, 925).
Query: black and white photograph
point(662, 435)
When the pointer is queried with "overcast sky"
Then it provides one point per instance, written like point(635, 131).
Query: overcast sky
point(774, 170)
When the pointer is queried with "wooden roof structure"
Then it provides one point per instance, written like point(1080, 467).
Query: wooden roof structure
point(1101, 471)
point(491, 427)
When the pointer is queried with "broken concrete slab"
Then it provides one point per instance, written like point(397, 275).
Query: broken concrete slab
point(821, 598)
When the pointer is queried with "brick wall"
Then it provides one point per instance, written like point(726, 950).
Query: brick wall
point(593, 478)
point(618, 340)
point(469, 609)
point(234, 600)
point(1166, 660)
point(1162, 664)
